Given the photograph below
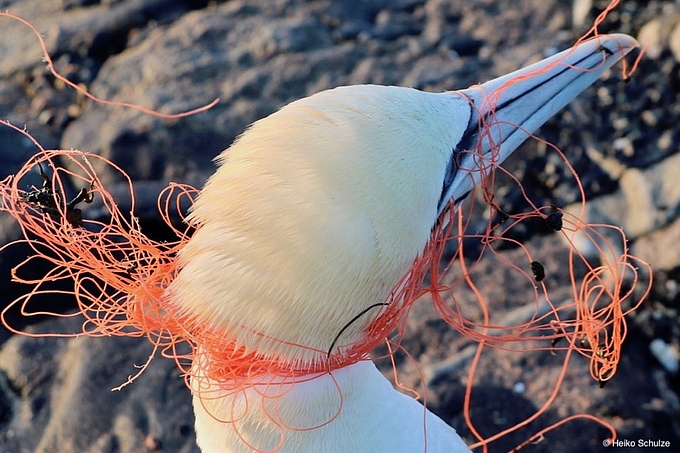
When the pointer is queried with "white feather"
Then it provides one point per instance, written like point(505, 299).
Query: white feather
point(315, 213)
point(373, 418)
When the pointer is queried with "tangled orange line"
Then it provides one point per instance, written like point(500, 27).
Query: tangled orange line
point(120, 278)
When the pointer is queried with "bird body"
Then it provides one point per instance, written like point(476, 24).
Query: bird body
point(314, 215)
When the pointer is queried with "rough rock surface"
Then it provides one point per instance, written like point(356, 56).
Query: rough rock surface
point(621, 137)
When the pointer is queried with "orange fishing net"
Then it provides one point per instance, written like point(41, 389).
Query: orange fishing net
point(120, 278)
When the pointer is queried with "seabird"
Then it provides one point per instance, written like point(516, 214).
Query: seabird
point(312, 218)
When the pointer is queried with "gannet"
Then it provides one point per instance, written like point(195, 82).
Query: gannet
point(314, 214)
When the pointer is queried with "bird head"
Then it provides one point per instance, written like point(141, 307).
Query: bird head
point(317, 211)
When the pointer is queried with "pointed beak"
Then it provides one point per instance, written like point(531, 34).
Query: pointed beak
point(507, 109)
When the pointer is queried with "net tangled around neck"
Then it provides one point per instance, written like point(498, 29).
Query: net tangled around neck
point(120, 278)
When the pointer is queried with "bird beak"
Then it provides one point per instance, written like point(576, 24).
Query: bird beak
point(507, 109)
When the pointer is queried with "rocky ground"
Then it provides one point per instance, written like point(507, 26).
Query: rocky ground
point(622, 138)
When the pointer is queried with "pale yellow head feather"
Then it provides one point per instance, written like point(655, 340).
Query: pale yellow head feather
point(315, 213)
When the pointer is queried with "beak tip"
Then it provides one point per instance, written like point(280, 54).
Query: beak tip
point(618, 43)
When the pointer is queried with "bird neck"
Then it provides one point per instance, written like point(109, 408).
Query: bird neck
point(354, 408)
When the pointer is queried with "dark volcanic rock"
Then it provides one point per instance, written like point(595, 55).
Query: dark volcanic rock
point(57, 395)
